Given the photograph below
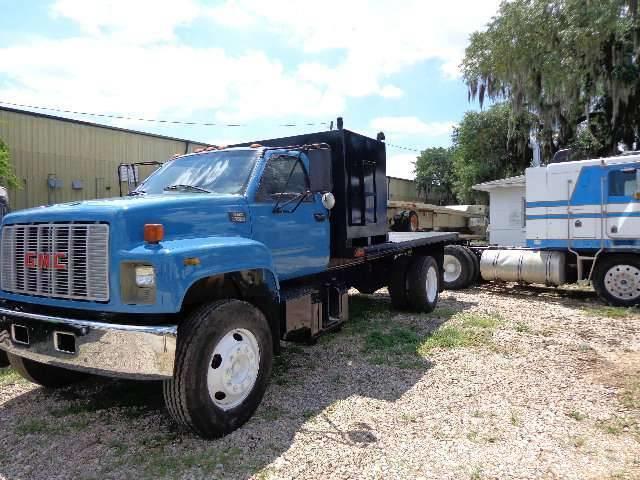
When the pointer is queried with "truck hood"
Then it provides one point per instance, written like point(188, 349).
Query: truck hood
point(183, 215)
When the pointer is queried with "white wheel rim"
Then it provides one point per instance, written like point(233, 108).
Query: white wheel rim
point(233, 368)
point(623, 282)
point(432, 284)
point(452, 268)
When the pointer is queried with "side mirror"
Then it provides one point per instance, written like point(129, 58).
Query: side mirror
point(328, 200)
point(320, 169)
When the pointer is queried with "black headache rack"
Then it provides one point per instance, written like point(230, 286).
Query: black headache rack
point(358, 165)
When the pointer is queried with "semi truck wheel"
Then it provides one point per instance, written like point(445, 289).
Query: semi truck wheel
point(423, 282)
point(4, 360)
point(46, 375)
point(223, 363)
point(616, 279)
point(398, 283)
point(414, 222)
point(458, 267)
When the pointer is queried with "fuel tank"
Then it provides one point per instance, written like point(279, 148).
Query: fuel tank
point(527, 266)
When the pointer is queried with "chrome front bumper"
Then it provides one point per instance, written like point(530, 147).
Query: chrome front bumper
point(124, 351)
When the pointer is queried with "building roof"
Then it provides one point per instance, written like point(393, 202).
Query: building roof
point(98, 125)
point(517, 181)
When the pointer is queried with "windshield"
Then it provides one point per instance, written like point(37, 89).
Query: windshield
point(224, 172)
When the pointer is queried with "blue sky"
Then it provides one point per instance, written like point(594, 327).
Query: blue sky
point(382, 65)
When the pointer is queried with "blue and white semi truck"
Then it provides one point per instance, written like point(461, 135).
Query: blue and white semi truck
point(582, 225)
point(196, 276)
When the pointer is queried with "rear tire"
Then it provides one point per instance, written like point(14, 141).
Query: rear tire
point(616, 279)
point(223, 364)
point(423, 284)
point(47, 376)
point(398, 283)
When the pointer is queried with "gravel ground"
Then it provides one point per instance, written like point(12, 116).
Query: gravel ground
point(499, 382)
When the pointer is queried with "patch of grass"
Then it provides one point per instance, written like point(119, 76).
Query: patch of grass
point(515, 419)
point(443, 312)
point(396, 341)
point(617, 425)
point(28, 426)
point(577, 416)
point(578, 441)
point(630, 393)
point(9, 375)
point(522, 327)
point(476, 474)
point(479, 320)
point(134, 398)
point(408, 418)
point(270, 413)
point(607, 311)
point(444, 337)
point(163, 463)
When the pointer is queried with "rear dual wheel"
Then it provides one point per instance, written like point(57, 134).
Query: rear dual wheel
point(461, 267)
point(415, 284)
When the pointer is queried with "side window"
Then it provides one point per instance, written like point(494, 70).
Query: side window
point(274, 178)
point(622, 183)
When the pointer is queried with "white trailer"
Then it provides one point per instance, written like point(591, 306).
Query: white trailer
point(582, 225)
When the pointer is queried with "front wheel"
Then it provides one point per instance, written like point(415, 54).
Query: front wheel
point(616, 279)
point(223, 364)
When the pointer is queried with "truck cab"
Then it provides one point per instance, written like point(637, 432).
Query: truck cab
point(196, 276)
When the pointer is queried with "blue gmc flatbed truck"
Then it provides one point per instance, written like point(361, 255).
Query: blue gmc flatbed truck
point(196, 276)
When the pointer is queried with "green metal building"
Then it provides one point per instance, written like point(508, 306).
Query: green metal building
point(60, 160)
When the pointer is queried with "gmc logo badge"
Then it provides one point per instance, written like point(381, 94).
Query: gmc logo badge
point(45, 261)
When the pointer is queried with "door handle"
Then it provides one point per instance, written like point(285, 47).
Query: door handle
point(320, 217)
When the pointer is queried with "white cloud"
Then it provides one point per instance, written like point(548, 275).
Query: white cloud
point(137, 21)
point(411, 126)
point(380, 37)
point(128, 57)
point(401, 165)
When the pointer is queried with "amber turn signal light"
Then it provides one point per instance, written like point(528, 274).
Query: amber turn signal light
point(153, 232)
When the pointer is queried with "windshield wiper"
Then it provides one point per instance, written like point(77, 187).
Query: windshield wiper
point(136, 193)
point(192, 188)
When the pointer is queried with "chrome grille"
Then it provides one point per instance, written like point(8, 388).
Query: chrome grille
point(58, 260)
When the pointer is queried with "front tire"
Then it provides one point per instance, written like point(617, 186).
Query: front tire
point(223, 364)
point(47, 376)
point(616, 279)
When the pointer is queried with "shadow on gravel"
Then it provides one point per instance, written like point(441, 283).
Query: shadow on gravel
point(105, 428)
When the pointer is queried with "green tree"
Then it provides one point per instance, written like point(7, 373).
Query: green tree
point(489, 145)
point(573, 63)
point(434, 173)
point(7, 176)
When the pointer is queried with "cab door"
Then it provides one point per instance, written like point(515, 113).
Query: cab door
point(288, 218)
point(623, 214)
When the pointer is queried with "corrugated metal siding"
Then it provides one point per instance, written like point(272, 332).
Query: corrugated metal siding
point(42, 146)
point(403, 190)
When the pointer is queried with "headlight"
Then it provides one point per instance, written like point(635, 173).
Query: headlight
point(145, 276)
